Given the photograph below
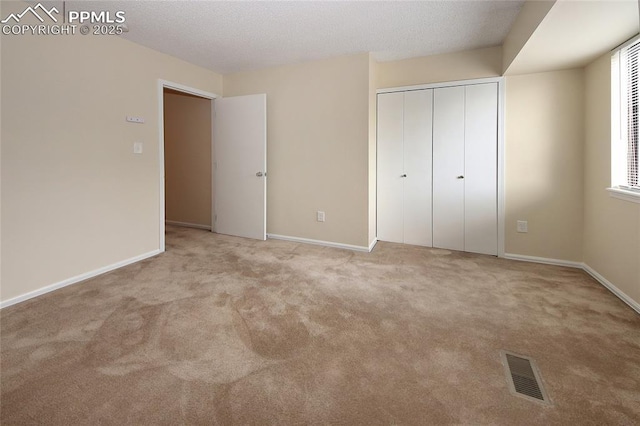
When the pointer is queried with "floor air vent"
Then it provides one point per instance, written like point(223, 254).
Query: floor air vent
point(524, 378)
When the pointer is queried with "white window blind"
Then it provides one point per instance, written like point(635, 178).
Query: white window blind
point(630, 60)
point(626, 114)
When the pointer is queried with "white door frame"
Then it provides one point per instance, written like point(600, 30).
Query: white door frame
point(501, 149)
point(162, 84)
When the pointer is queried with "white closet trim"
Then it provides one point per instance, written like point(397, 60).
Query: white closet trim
point(442, 84)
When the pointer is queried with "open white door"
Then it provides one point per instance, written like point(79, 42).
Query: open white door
point(239, 166)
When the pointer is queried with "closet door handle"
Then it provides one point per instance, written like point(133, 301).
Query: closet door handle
point(460, 177)
point(403, 175)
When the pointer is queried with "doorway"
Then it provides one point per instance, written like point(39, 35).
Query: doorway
point(185, 163)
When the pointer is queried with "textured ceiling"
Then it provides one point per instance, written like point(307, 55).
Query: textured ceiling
point(237, 36)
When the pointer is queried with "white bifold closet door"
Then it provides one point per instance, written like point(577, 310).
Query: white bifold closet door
point(390, 205)
point(465, 205)
point(448, 168)
point(404, 167)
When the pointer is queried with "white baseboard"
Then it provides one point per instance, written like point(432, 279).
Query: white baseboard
point(545, 260)
point(612, 288)
point(76, 279)
point(188, 225)
point(580, 265)
point(373, 244)
point(318, 242)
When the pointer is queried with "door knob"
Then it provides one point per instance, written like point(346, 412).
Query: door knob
point(460, 177)
point(403, 175)
point(259, 174)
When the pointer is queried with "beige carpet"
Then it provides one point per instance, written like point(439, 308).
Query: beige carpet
point(223, 330)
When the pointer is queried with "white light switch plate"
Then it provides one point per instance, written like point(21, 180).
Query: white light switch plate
point(137, 147)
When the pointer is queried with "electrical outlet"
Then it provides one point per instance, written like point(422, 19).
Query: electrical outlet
point(131, 119)
point(320, 216)
point(522, 226)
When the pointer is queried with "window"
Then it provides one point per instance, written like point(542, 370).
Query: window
point(625, 123)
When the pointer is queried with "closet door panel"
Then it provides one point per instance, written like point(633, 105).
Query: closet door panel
point(448, 167)
point(390, 167)
point(481, 166)
point(418, 108)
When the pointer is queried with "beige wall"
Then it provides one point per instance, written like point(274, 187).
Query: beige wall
point(543, 178)
point(373, 81)
point(611, 226)
point(470, 64)
point(187, 156)
point(317, 154)
point(74, 196)
point(528, 19)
